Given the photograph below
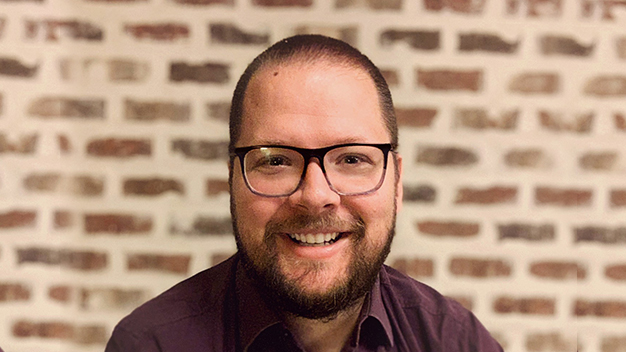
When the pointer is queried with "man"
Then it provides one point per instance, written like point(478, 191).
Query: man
point(315, 184)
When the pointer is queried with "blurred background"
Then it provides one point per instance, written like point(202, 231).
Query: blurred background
point(113, 149)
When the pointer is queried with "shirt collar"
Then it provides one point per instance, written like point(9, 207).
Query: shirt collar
point(376, 310)
point(255, 315)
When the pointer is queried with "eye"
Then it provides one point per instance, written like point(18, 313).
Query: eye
point(353, 160)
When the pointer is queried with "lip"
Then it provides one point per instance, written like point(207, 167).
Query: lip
point(315, 252)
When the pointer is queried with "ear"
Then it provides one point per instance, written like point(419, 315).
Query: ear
point(399, 187)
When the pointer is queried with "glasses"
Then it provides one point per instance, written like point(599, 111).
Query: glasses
point(278, 171)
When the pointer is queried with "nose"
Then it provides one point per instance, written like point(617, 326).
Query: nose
point(314, 194)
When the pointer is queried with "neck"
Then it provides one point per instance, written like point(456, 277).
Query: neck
point(325, 335)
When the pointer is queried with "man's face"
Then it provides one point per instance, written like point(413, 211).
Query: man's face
point(314, 107)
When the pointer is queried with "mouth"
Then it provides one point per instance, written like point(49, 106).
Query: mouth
point(315, 239)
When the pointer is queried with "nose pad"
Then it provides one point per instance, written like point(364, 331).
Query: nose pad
point(314, 191)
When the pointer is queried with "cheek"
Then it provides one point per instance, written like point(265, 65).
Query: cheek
point(253, 212)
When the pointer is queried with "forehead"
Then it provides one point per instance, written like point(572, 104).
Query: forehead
point(313, 104)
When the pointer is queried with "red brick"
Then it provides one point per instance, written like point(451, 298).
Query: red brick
point(216, 187)
point(415, 117)
point(602, 309)
point(415, 267)
point(469, 42)
point(372, 4)
point(229, 3)
point(446, 156)
point(178, 264)
point(563, 197)
point(77, 185)
point(201, 149)
point(618, 198)
point(415, 39)
point(156, 110)
point(606, 8)
point(606, 86)
point(58, 330)
point(479, 119)
point(61, 293)
point(25, 144)
point(492, 195)
point(203, 226)
point(391, 76)
point(528, 232)
point(14, 292)
point(103, 299)
point(554, 121)
point(614, 343)
point(556, 342)
point(127, 70)
point(227, 33)
point(219, 111)
point(620, 122)
point(159, 31)
point(419, 193)
point(527, 158)
point(536, 8)
point(15, 68)
point(599, 234)
point(120, 148)
point(530, 306)
point(65, 258)
point(558, 270)
point(65, 146)
point(48, 107)
point(283, 3)
point(480, 268)
point(599, 161)
point(561, 45)
point(616, 272)
point(152, 187)
point(535, 83)
point(18, 219)
point(53, 330)
point(449, 228)
point(117, 224)
point(470, 80)
point(462, 6)
point(63, 219)
point(199, 73)
point(74, 29)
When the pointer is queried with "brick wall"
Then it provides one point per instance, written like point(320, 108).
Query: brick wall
point(113, 132)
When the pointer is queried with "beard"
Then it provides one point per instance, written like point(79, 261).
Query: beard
point(288, 295)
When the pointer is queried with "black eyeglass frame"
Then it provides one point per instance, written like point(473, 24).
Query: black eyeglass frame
point(308, 154)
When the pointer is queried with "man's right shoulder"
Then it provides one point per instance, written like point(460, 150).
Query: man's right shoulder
point(198, 298)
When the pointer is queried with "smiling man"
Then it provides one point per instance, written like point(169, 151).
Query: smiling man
point(315, 183)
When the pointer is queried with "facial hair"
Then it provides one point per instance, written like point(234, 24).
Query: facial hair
point(286, 295)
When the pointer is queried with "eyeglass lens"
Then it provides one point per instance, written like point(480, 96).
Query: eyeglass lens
point(277, 171)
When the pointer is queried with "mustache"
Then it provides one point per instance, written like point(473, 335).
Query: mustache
point(307, 222)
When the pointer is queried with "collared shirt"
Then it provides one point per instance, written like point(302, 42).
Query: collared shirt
point(220, 310)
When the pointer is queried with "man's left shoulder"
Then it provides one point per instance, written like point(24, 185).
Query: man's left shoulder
point(438, 318)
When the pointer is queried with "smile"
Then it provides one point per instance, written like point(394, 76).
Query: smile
point(318, 239)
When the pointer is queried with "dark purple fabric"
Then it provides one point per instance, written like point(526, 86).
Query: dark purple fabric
point(219, 310)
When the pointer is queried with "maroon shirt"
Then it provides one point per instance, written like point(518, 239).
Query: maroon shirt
point(219, 310)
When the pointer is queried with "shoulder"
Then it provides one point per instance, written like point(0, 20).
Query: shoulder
point(414, 304)
point(200, 295)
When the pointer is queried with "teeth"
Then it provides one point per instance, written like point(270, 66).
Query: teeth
point(317, 238)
